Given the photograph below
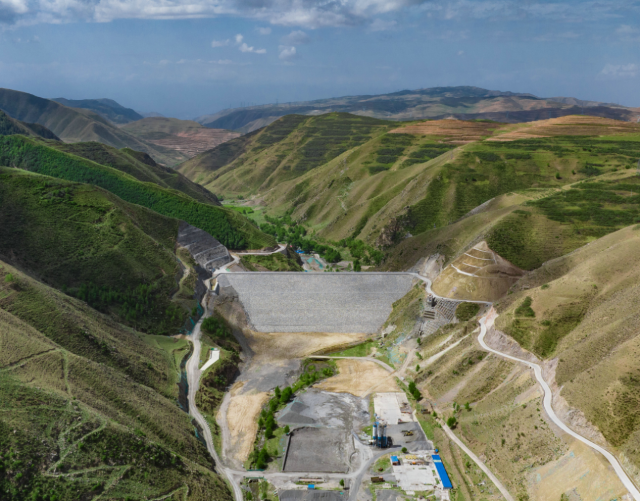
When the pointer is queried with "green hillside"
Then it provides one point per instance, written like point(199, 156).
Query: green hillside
point(89, 406)
point(139, 165)
point(230, 227)
point(74, 125)
point(115, 256)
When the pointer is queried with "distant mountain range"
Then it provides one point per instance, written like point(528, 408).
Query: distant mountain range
point(434, 103)
point(107, 122)
point(107, 108)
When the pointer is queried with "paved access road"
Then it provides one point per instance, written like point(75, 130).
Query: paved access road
point(624, 478)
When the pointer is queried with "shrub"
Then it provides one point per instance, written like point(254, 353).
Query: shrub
point(8, 278)
point(452, 422)
point(525, 310)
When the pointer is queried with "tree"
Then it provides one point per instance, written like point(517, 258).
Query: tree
point(467, 406)
point(287, 429)
point(418, 368)
point(356, 265)
point(277, 391)
point(404, 450)
point(342, 482)
point(452, 422)
point(263, 459)
point(286, 395)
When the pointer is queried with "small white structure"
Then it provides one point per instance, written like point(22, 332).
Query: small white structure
point(214, 356)
point(393, 408)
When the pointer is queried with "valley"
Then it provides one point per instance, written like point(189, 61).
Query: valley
point(334, 306)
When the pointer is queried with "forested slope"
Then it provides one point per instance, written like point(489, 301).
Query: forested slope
point(231, 228)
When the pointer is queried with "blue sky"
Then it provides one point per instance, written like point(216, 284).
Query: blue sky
point(187, 58)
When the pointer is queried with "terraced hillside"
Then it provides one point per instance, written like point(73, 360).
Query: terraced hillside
point(185, 137)
point(414, 179)
point(74, 125)
point(229, 227)
point(89, 406)
point(463, 102)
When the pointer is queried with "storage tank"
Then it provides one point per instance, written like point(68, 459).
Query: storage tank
point(384, 435)
point(374, 433)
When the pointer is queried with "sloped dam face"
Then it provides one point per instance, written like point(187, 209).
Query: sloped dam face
point(318, 302)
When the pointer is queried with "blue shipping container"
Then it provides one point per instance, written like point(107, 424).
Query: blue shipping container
point(311, 486)
point(442, 472)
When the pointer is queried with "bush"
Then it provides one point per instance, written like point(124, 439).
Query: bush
point(8, 278)
point(413, 389)
point(525, 310)
point(452, 422)
point(466, 311)
point(404, 450)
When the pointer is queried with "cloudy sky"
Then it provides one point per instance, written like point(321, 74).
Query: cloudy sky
point(191, 57)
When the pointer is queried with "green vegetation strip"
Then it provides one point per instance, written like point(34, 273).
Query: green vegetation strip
point(29, 154)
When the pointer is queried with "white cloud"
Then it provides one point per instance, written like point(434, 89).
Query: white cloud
point(628, 33)
point(239, 38)
point(219, 43)
point(310, 13)
point(461, 53)
point(245, 48)
point(296, 38)
point(382, 25)
point(287, 52)
point(620, 70)
point(264, 31)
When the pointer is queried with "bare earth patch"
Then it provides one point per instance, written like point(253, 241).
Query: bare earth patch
point(358, 377)
point(242, 419)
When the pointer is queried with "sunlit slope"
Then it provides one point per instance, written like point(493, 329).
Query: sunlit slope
point(581, 312)
point(478, 274)
point(139, 165)
point(82, 420)
point(231, 228)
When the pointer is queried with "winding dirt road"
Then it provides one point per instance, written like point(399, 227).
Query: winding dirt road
point(622, 475)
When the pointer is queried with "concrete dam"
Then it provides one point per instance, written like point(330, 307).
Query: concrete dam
point(318, 302)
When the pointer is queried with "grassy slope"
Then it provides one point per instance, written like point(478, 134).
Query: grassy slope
point(594, 195)
point(75, 124)
point(586, 317)
point(230, 227)
point(71, 235)
point(86, 406)
point(139, 165)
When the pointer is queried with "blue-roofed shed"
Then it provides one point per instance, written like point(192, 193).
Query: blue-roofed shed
point(442, 472)
point(394, 460)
